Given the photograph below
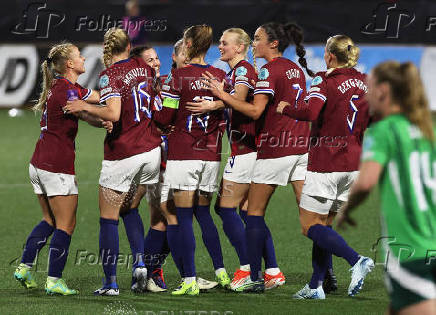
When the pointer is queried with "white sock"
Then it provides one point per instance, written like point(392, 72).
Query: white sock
point(54, 279)
point(189, 280)
point(27, 266)
point(272, 271)
point(219, 270)
point(245, 267)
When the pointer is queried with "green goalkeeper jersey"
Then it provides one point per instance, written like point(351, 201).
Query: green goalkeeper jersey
point(407, 186)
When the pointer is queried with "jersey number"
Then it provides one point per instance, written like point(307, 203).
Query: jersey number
point(141, 101)
point(354, 109)
point(203, 119)
point(420, 174)
point(297, 87)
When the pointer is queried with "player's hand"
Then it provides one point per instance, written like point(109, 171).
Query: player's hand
point(212, 84)
point(108, 125)
point(201, 106)
point(73, 107)
point(282, 106)
point(343, 218)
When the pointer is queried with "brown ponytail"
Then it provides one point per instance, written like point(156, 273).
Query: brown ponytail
point(201, 37)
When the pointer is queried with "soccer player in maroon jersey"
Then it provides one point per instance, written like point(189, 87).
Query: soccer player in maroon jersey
point(194, 150)
point(234, 44)
point(281, 141)
point(155, 243)
point(339, 114)
point(131, 151)
point(51, 169)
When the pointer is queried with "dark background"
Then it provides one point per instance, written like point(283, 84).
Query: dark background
point(320, 19)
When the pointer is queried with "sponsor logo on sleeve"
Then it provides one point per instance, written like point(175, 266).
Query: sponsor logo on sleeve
point(104, 81)
point(262, 84)
point(241, 78)
point(107, 90)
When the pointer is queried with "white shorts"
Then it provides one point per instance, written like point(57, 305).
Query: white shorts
point(239, 168)
point(192, 175)
point(325, 192)
point(142, 168)
point(280, 171)
point(52, 184)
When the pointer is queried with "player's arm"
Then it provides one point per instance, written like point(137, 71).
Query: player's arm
point(303, 111)
point(205, 106)
point(251, 110)
point(94, 97)
point(110, 112)
point(90, 119)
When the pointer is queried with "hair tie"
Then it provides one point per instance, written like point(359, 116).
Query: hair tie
point(48, 59)
point(349, 47)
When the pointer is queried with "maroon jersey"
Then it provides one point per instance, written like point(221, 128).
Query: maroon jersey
point(196, 137)
point(134, 133)
point(337, 133)
point(241, 128)
point(279, 135)
point(55, 149)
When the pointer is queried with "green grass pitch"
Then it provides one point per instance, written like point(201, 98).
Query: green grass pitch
point(19, 212)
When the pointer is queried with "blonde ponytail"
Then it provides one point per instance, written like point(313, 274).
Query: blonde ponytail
point(54, 64)
point(343, 48)
point(115, 42)
point(408, 91)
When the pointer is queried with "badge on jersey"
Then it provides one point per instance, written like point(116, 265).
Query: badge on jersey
point(168, 79)
point(240, 71)
point(104, 81)
point(263, 74)
point(316, 80)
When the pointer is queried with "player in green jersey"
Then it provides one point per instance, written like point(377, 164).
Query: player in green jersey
point(399, 153)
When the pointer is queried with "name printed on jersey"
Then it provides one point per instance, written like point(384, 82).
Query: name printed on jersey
point(350, 83)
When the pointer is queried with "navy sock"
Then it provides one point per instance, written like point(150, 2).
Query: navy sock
point(35, 241)
point(235, 231)
point(330, 257)
point(243, 215)
point(164, 253)
point(256, 235)
point(174, 246)
point(210, 236)
point(59, 245)
point(331, 241)
point(135, 234)
point(269, 253)
point(109, 248)
point(187, 240)
point(153, 245)
point(319, 264)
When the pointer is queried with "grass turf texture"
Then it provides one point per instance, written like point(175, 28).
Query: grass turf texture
point(19, 212)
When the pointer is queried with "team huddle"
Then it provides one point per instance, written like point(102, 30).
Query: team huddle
point(163, 142)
